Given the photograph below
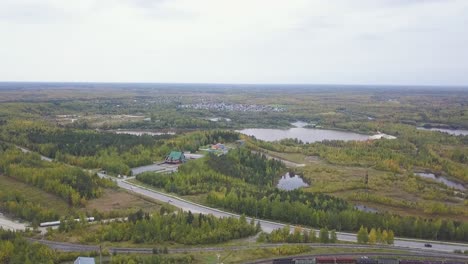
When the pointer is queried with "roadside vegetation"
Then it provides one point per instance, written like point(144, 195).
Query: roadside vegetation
point(230, 190)
point(159, 227)
point(78, 130)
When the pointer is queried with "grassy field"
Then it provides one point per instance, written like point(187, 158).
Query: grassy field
point(113, 200)
point(116, 199)
point(386, 191)
point(35, 195)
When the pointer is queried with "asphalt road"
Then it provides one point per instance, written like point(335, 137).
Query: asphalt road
point(269, 226)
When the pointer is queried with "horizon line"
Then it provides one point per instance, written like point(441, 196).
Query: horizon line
point(240, 83)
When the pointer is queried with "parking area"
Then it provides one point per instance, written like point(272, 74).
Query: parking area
point(157, 167)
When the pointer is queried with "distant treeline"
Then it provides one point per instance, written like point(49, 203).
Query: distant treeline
point(254, 194)
point(115, 153)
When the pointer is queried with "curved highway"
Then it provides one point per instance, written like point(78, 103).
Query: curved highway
point(269, 226)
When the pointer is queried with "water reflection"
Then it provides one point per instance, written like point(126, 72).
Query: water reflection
point(456, 132)
point(307, 135)
point(443, 180)
point(289, 183)
point(366, 209)
point(142, 132)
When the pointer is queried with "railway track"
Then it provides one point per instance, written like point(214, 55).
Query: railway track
point(431, 256)
point(71, 247)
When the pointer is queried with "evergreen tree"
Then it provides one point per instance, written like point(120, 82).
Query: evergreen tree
point(390, 237)
point(373, 236)
point(333, 236)
point(379, 236)
point(324, 236)
point(362, 235)
point(312, 236)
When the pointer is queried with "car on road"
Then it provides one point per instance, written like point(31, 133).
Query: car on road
point(427, 245)
point(169, 201)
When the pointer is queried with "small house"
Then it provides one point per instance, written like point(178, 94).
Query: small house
point(175, 157)
point(218, 146)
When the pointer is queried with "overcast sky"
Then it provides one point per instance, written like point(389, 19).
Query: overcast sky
point(239, 41)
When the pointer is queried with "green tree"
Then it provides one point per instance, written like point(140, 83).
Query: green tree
point(373, 236)
point(312, 236)
point(390, 237)
point(362, 235)
point(379, 236)
point(333, 236)
point(324, 236)
point(384, 236)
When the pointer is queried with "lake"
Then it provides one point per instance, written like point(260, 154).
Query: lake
point(456, 132)
point(441, 179)
point(306, 135)
point(142, 132)
point(289, 183)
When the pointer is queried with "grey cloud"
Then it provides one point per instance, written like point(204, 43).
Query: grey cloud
point(30, 13)
point(402, 3)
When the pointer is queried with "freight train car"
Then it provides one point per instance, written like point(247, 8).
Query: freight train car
point(325, 260)
point(335, 260)
point(388, 261)
point(411, 261)
point(304, 261)
point(365, 260)
point(345, 260)
point(283, 261)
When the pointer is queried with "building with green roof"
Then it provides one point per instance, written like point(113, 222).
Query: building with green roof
point(175, 157)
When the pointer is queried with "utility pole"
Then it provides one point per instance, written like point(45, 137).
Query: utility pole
point(100, 254)
point(366, 180)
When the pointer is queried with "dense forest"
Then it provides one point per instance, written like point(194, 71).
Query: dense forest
point(179, 227)
point(230, 190)
point(72, 184)
point(14, 248)
point(439, 152)
point(114, 153)
point(293, 209)
point(78, 129)
point(239, 168)
point(15, 204)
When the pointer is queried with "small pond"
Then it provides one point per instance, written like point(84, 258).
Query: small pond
point(455, 132)
point(441, 179)
point(366, 209)
point(289, 183)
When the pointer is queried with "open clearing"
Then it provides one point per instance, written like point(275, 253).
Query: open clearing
point(386, 191)
point(115, 199)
